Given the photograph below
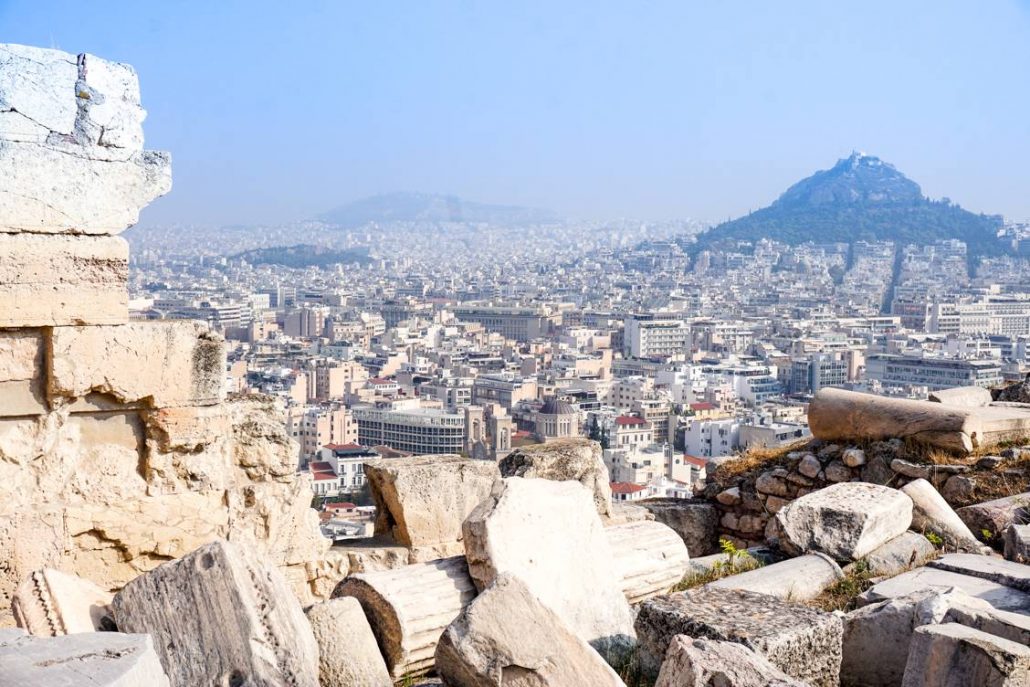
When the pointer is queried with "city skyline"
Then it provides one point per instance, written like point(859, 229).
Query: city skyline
point(653, 112)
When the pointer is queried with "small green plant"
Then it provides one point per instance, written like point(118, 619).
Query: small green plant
point(737, 561)
point(934, 539)
point(986, 534)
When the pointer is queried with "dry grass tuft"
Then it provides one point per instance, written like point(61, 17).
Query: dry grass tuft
point(921, 452)
point(843, 594)
point(755, 458)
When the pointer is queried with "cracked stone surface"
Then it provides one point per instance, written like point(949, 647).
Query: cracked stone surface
point(71, 144)
point(802, 642)
point(62, 280)
point(101, 659)
point(221, 617)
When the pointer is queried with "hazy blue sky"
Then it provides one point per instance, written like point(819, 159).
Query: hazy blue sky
point(279, 110)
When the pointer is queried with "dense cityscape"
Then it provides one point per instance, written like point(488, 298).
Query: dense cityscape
point(514, 344)
point(432, 337)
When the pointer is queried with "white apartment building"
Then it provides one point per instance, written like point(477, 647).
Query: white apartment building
point(652, 336)
point(419, 431)
point(932, 373)
point(707, 438)
point(988, 316)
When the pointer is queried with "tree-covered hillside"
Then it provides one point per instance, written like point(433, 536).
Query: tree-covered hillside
point(860, 198)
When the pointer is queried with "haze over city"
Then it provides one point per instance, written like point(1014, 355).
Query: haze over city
point(659, 110)
point(465, 344)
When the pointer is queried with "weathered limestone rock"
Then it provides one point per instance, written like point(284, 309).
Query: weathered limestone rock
point(74, 495)
point(810, 466)
point(1017, 543)
point(50, 603)
point(565, 459)
point(71, 144)
point(694, 520)
point(421, 501)
point(1018, 392)
point(373, 554)
point(63, 280)
point(795, 579)
point(999, 596)
point(905, 551)
point(802, 642)
point(982, 616)
point(853, 457)
point(995, 516)
point(952, 655)
point(190, 449)
point(21, 365)
point(156, 364)
point(348, 655)
point(963, 396)
point(994, 569)
point(773, 482)
point(931, 513)
point(839, 415)
point(649, 557)
point(568, 567)
point(877, 637)
point(729, 497)
point(507, 636)
point(409, 608)
point(219, 617)
point(100, 659)
point(704, 662)
point(845, 521)
point(624, 512)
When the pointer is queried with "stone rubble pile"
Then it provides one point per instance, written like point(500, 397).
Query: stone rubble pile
point(533, 603)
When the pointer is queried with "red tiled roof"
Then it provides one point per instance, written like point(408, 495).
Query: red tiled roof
point(381, 380)
point(321, 466)
point(626, 420)
point(341, 505)
point(323, 475)
point(341, 447)
point(626, 488)
point(694, 460)
point(704, 405)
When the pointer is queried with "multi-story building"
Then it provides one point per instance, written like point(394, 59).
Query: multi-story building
point(505, 388)
point(709, 438)
point(932, 373)
point(512, 322)
point(314, 427)
point(817, 370)
point(652, 336)
point(419, 431)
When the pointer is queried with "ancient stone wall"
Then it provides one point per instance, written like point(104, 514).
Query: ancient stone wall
point(749, 500)
point(118, 449)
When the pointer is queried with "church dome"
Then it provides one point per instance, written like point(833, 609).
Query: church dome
point(552, 406)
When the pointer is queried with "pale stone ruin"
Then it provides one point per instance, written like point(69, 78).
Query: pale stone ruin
point(153, 532)
point(118, 449)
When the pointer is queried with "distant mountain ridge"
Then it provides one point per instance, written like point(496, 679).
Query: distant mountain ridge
point(860, 198)
point(428, 207)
